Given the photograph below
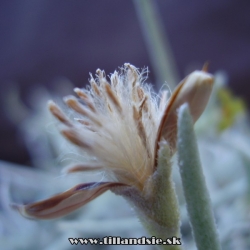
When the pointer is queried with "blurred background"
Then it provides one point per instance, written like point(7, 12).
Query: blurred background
point(43, 41)
point(49, 46)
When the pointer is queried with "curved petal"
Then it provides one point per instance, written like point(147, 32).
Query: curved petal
point(57, 112)
point(195, 90)
point(82, 168)
point(64, 203)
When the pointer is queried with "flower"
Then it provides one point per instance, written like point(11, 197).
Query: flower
point(122, 126)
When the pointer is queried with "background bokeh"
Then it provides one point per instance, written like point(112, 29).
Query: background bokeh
point(49, 46)
point(43, 41)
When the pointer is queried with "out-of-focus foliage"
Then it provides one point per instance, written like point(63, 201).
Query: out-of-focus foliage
point(231, 107)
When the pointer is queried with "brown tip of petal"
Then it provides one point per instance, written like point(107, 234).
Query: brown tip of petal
point(140, 93)
point(205, 67)
point(67, 202)
point(56, 111)
point(94, 86)
point(73, 103)
point(75, 138)
point(112, 96)
point(80, 93)
point(85, 98)
point(82, 168)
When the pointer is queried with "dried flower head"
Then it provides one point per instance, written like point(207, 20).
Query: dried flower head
point(121, 125)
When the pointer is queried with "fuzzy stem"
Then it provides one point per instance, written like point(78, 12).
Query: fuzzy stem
point(157, 205)
point(193, 181)
point(165, 205)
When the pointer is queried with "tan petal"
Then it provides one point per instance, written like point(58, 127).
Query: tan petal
point(73, 136)
point(57, 112)
point(85, 98)
point(73, 103)
point(82, 168)
point(64, 203)
point(195, 90)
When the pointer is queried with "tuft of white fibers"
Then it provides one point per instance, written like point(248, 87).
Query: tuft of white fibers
point(117, 124)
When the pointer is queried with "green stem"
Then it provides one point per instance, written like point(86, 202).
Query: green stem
point(157, 205)
point(194, 186)
point(158, 46)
